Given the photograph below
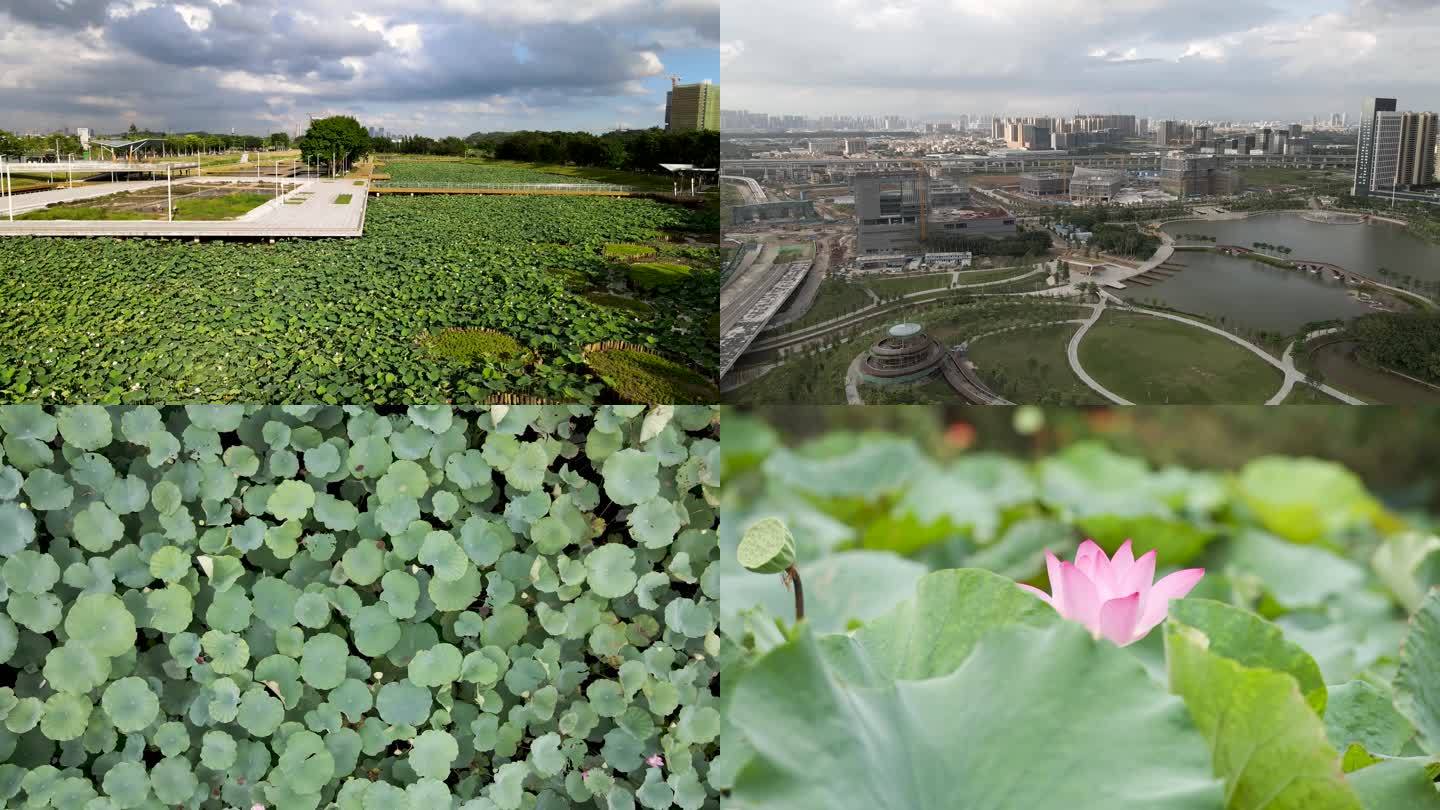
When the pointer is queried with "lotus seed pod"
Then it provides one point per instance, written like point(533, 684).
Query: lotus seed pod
point(767, 547)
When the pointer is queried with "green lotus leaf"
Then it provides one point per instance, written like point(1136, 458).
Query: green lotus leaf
point(171, 608)
point(85, 426)
point(127, 784)
point(1305, 499)
point(400, 594)
point(171, 738)
point(545, 755)
point(655, 522)
point(30, 572)
point(1269, 745)
point(260, 712)
point(1045, 699)
point(305, 764)
point(97, 528)
point(17, 528)
point(217, 750)
point(404, 479)
point(376, 631)
point(169, 564)
point(130, 704)
point(363, 563)
point(173, 781)
point(610, 570)
point(436, 666)
point(433, 753)
point(66, 716)
point(312, 610)
point(444, 555)
point(1358, 712)
point(403, 703)
point(102, 623)
point(76, 669)
point(468, 469)
point(1250, 640)
point(291, 500)
point(1417, 684)
point(323, 663)
point(228, 652)
point(38, 613)
point(631, 477)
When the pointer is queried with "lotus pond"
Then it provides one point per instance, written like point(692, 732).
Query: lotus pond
point(105, 320)
point(1269, 638)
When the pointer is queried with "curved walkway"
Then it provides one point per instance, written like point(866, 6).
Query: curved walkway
point(1286, 367)
point(1072, 352)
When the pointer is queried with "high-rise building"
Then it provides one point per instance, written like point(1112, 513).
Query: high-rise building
point(1403, 150)
point(1189, 175)
point(1165, 132)
point(1365, 144)
point(689, 107)
point(1294, 130)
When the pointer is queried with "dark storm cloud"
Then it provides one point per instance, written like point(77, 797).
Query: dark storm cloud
point(256, 64)
point(57, 13)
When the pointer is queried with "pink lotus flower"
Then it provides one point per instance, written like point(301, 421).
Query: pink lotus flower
point(655, 761)
point(1114, 597)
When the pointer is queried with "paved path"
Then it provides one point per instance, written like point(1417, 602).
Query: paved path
point(1072, 351)
point(852, 381)
point(1292, 374)
point(317, 215)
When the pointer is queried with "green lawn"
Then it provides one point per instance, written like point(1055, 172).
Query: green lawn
point(792, 253)
point(983, 276)
point(62, 212)
point(890, 287)
point(1028, 365)
point(1156, 361)
point(648, 182)
point(834, 298)
point(657, 275)
point(226, 207)
point(343, 199)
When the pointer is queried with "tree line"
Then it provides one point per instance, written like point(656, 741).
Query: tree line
point(187, 143)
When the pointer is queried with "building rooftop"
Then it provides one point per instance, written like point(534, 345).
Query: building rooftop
point(901, 330)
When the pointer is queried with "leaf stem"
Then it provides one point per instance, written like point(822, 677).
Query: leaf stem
point(793, 575)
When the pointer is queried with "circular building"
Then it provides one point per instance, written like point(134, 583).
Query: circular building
point(905, 354)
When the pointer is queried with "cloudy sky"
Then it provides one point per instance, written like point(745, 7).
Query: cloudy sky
point(1220, 59)
point(437, 67)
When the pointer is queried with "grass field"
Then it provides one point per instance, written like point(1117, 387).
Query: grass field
point(86, 212)
point(404, 169)
point(792, 253)
point(835, 298)
point(983, 276)
point(1270, 177)
point(1155, 361)
point(1028, 365)
point(890, 287)
point(226, 207)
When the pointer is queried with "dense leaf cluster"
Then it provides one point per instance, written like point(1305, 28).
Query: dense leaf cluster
point(307, 606)
point(1408, 342)
point(1301, 673)
point(339, 320)
point(403, 172)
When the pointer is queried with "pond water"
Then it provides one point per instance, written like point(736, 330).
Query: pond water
point(1363, 248)
point(1248, 293)
point(1337, 363)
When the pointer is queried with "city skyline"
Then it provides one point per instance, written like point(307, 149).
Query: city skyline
point(1151, 58)
point(442, 67)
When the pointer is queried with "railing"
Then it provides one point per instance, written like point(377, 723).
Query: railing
point(512, 186)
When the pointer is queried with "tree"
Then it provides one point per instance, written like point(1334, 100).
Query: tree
point(280, 140)
point(132, 129)
point(339, 138)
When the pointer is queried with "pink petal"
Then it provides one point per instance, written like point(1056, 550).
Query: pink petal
point(1140, 577)
point(1117, 619)
point(1157, 603)
point(1082, 600)
point(1052, 568)
point(1121, 563)
point(1037, 592)
point(1090, 559)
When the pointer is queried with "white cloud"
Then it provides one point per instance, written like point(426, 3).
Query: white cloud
point(730, 51)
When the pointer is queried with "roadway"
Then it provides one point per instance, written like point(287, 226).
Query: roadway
point(749, 189)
